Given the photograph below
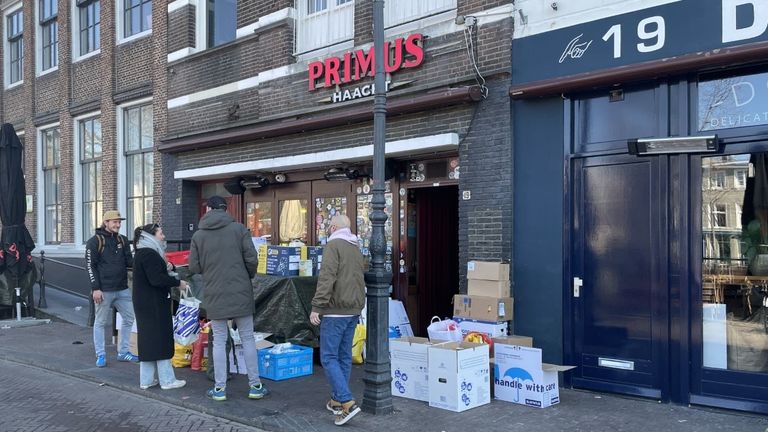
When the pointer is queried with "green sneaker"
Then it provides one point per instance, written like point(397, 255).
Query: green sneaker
point(257, 391)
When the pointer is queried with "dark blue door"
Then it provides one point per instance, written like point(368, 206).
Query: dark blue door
point(619, 262)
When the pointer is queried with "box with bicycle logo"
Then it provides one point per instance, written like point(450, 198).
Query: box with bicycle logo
point(459, 376)
point(410, 367)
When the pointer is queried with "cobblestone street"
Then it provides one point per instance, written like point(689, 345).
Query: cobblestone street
point(38, 400)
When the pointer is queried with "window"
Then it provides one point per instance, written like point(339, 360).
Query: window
point(717, 180)
point(139, 141)
point(322, 23)
point(718, 216)
point(15, 33)
point(738, 215)
point(89, 135)
point(89, 12)
point(51, 170)
point(49, 40)
point(137, 17)
point(221, 21)
point(740, 179)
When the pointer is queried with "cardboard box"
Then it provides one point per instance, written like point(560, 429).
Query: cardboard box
point(399, 324)
point(520, 376)
point(485, 270)
point(459, 376)
point(487, 288)
point(315, 253)
point(279, 260)
point(409, 357)
point(238, 352)
point(492, 329)
point(489, 309)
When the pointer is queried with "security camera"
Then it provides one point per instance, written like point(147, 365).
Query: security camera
point(280, 178)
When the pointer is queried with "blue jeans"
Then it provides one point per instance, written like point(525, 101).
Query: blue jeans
point(162, 368)
point(336, 334)
point(121, 300)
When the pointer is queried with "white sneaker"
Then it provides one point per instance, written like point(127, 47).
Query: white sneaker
point(154, 383)
point(174, 385)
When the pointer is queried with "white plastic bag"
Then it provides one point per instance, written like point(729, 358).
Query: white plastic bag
point(444, 330)
point(186, 325)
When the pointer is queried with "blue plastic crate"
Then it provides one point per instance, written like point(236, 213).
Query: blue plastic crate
point(294, 363)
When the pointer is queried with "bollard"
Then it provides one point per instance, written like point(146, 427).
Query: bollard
point(18, 304)
point(41, 303)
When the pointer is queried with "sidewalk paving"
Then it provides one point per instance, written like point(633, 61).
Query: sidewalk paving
point(299, 404)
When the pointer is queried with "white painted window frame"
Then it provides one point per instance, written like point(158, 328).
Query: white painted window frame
point(74, 21)
point(41, 182)
point(122, 182)
point(7, 46)
point(302, 15)
point(39, 45)
point(80, 236)
point(120, 25)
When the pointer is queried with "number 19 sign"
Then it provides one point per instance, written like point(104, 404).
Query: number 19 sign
point(674, 29)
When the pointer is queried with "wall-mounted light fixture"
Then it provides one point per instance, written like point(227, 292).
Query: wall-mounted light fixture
point(341, 174)
point(693, 144)
point(238, 185)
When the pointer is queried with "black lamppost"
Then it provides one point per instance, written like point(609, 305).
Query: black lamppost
point(377, 398)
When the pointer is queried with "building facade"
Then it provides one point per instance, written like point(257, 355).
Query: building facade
point(640, 150)
point(79, 85)
point(270, 105)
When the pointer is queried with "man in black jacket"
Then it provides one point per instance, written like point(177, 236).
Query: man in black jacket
point(108, 257)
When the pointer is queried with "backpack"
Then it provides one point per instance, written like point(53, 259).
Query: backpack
point(101, 241)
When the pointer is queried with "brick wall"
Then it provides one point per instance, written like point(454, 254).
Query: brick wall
point(486, 171)
point(181, 28)
point(249, 11)
point(133, 61)
point(74, 89)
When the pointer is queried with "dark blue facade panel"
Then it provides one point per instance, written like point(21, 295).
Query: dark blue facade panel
point(538, 224)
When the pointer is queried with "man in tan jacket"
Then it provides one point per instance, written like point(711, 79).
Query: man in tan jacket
point(336, 307)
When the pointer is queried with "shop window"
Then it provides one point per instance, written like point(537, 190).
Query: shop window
point(90, 144)
point(326, 208)
point(322, 23)
point(139, 161)
point(221, 21)
point(735, 264)
point(15, 47)
point(259, 218)
point(49, 31)
point(402, 11)
point(293, 221)
point(49, 141)
point(365, 228)
point(89, 26)
point(732, 102)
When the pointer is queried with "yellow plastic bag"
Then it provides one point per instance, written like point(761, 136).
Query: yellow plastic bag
point(358, 343)
point(182, 355)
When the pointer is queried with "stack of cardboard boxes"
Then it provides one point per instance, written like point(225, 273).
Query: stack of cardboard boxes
point(290, 260)
point(487, 307)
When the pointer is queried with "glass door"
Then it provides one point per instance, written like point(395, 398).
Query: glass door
point(734, 275)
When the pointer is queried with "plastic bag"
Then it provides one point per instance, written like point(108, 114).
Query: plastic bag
point(186, 326)
point(444, 330)
point(199, 346)
point(358, 344)
point(182, 355)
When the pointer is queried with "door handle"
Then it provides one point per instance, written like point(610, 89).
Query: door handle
point(577, 284)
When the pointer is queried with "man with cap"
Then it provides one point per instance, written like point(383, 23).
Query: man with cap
point(108, 258)
point(223, 252)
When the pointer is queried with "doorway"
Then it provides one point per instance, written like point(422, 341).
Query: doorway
point(433, 253)
point(619, 264)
